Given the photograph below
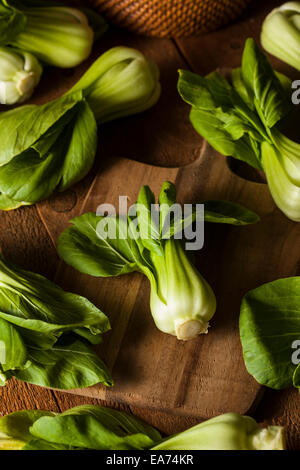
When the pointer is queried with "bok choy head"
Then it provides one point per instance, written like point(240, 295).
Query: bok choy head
point(52, 146)
point(241, 119)
point(280, 34)
point(182, 302)
point(20, 72)
point(45, 333)
point(122, 82)
point(57, 35)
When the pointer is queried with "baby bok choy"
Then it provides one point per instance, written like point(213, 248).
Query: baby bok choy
point(182, 302)
point(20, 72)
point(52, 146)
point(45, 333)
point(230, 431)
point(280, 34)
point(99, 428)
point(57, 35)
point(241, 119)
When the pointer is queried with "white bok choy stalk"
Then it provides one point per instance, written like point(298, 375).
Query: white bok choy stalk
point(57, 35)
point(60, 137)
point(20, 72)
point(229, 431)
point(280, 34)
point(281, 163)
point(182, 302)
point(120, 83)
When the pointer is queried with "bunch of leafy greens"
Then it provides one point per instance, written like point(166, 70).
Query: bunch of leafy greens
point(270, 333)
point(286, 45)
point(83, 427)
point(182, 302)
point(99, 428)
point(56, 34)
point(52, 146)
point(240, 120)
point(45, 333)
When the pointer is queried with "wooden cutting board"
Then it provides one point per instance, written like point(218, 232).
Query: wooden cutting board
point(201, 377)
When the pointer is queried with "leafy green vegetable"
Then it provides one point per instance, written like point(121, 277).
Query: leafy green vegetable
point(226, 212)
point(269, 324)
point(25, 126)
point(230, 431)
point(286, 45)
point(43, 170)
point(182, 302)
point(92, 427)
point(52, 146)
point(263, 86)
point(68, 365)
point(83, 427)
point(13, 348)
point(296, 377)
point(43, 332)
point(99, 428)
point(20, 72)
point(12, 22)
point(57, 35)
point(14, 428)
point(241, 120)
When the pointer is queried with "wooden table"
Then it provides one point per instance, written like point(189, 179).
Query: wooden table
point(25, 240)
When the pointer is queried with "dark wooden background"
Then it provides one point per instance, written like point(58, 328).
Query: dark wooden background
point(25, 240)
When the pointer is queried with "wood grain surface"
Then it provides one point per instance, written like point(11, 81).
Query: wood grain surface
point(163, 136)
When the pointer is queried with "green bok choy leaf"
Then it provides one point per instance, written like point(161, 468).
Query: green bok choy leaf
point(241, 120)
point(270, 333)
point(82, 427)
point(45, 333)
point(182, 302)
point(52, 146)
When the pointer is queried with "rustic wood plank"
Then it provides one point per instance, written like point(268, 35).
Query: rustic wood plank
point(18, 395)
point(281, 408)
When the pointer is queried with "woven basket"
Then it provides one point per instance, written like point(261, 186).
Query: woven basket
point(170, 18)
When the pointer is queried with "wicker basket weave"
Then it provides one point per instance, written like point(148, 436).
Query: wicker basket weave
point(170, 18)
